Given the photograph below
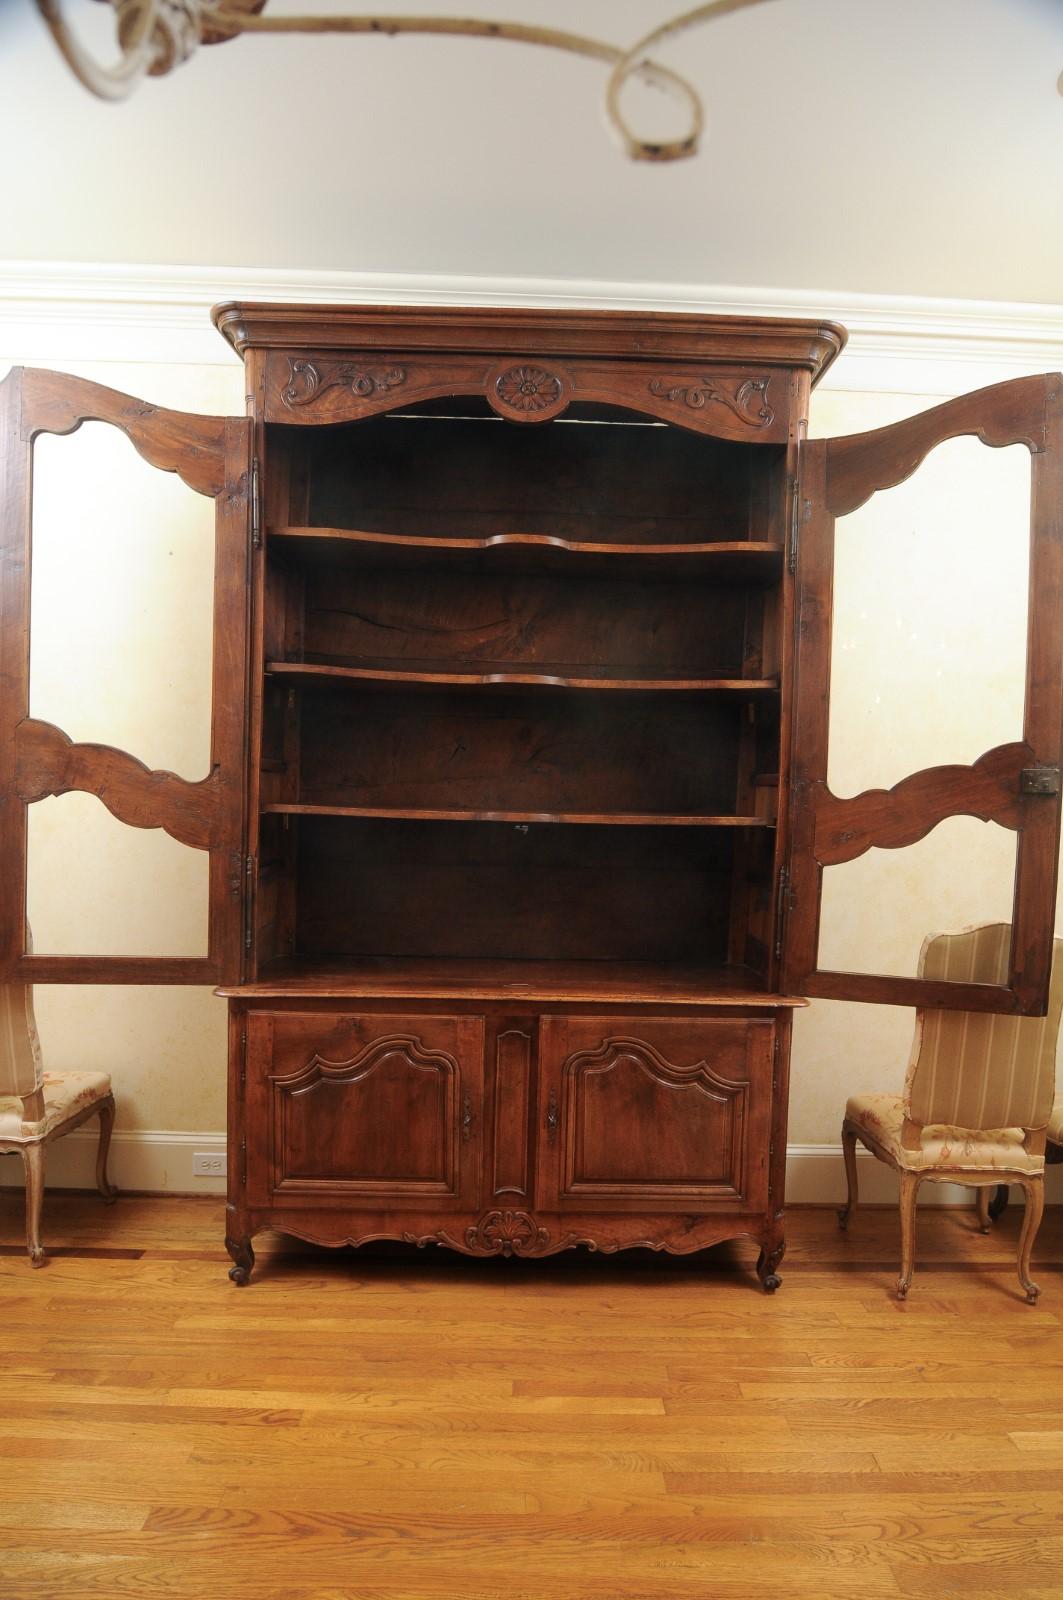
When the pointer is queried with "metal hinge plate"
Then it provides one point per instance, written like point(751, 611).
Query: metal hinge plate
point(256, 506)
point(249, 876)
point(1039, 780)
point(781, 908)
point(795, 517)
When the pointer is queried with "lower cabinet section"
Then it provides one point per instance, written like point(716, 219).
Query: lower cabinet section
point(506, 1135)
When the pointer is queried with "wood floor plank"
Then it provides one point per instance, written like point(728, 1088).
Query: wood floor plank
point(400, 1427)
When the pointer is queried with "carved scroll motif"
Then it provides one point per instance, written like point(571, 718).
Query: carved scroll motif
point(507, 1233)
point(307, 382)
point(747, 400)
point(503, 1233)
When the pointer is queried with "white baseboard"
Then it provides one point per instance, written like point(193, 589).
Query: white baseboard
point(140, 1159)
point(69, 312)
point(160, 1162)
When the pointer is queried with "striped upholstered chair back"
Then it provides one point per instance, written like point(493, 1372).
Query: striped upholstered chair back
point(21, 1067)
point(975, 1069)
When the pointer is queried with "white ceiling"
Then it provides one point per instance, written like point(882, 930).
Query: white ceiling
point(883, 146)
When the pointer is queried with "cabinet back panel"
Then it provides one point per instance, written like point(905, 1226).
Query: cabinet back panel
point(519, 752)
point(492, 890)
point(454, 477)
point(355, 618)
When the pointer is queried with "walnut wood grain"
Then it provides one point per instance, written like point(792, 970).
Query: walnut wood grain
point(609, 819)
point(727, 403)
point(191, 446)
point(570, 982)
point(607, 354)
point(508, 678)
point(887, 819)
point(726, 560)
point(47, 762)
point(212, 455)
point(1004, 414)
point(838, 475)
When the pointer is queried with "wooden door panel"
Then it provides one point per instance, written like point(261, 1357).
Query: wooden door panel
point(1015, 785)
point(655, 1114)
point(212, 455)
point(383, 1109)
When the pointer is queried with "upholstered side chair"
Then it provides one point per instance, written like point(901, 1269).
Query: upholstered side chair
point(37, 1106)
point(976, 1100)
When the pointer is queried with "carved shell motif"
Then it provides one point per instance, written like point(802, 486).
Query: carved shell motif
point(507, 1233)
point(748, 400)
point(307, 382)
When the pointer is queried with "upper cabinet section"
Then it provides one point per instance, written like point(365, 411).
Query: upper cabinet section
point(735, 379)
point(928, 717)
point(123, 655)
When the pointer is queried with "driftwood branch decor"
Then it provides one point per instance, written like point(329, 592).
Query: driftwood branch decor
point(155, 36)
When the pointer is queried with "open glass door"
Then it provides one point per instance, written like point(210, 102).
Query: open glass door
point(928, 629)
point(134, 572)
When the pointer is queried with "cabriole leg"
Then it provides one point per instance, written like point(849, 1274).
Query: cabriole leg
point(851, 1180)
point(243, 1259)
point(982, 1204)
point(106, 1188)
point(33, 1161)
point(1035, 1204)
point(910, 1182)
point(772, 1251)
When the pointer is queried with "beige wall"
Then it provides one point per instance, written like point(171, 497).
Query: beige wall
point(930, 636)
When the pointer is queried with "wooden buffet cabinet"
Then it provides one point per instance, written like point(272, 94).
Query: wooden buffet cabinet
point(518, 811)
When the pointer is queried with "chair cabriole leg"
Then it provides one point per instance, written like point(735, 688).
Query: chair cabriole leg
point(1034, 1189)
point(910, 1182)
point(106, 1188)
point(982, 1203)
point(33, 1161)
point(851, 1179)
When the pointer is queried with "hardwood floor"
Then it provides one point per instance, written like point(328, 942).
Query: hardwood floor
point(356, 1428)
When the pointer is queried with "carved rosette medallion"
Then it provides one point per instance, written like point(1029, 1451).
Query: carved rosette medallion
point(748, 401)
point(308, 381)
point(527, 392)
point(507, 1233)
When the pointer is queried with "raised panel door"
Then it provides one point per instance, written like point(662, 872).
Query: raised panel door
point(383, 1111)
point(642, 1113)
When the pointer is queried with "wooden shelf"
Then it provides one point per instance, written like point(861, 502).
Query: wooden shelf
point(619, 819)
point(509, 678)
point(608, 982)
point(732, 561)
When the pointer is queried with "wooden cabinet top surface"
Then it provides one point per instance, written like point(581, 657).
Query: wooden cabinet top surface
point(805, 344)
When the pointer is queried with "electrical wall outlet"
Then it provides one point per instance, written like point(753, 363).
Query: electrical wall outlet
point(208, 1164)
